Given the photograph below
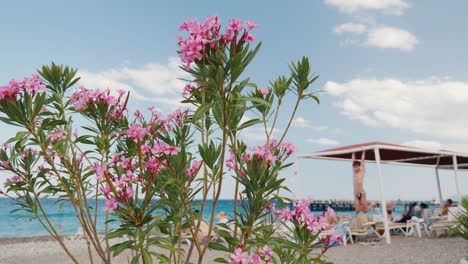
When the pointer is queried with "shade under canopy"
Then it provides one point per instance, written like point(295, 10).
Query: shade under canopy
point(380, 152)
point(395, 154)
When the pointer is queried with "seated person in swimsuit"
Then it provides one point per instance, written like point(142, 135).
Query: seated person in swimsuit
point(360, 198)
point(390, 211)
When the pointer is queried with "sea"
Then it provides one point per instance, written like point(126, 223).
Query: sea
point(66, 223)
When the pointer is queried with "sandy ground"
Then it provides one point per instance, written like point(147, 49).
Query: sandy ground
point(401, 251)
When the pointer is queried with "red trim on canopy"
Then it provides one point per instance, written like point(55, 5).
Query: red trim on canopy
point(364, 145)
point(393, 153)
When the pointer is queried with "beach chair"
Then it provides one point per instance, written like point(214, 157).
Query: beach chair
point(360, 226)
point(445, 225)
point(406, 229)
point(78, 235)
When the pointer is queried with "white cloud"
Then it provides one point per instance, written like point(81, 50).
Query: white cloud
point(425, 144)
point(394, 7)
point(350, 28)
point(258, 133)
point(303, 123)
point(436, 145)
point(323, 141)
point(152, 82)
point(434, 107)
point(391, 38)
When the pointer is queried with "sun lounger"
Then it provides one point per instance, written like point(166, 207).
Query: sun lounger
point(445, 225)
point(360, 226)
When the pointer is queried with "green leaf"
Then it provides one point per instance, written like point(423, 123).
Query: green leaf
point(202, 110)
point(118, 248)
point(147, 257)
point(117, 233)
point(220, 260)
point(257, 100)
point(249, 123)
point(218, 246)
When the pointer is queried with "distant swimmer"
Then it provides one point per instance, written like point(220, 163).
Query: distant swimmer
point(360, 197)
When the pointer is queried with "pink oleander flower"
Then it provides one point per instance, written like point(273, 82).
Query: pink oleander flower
point(330, 211)
point(118, 183)
point(106, 190)
point(116, 157)
point(163, 148)
point(100, 170)
point(146, 148)
point(309, 216)
point(289, 147)
point(129, 192)
point(178, 117)
point(75, 134)
point(235, 24)
point(314, 226)
point(153, 165)
point(138, 114)
point(239, 257)
point(83, 99)
point(256, 259)
point(271, 206)
point(129, 176)
point(250, 38)
point(33, 85)
point(284, 214)
point(230, 163)
point(301, 206)
point(206, 35)
point(246, 157)
point(190, 172)
point(188, 89)
point(137, 132)
point(28, 85)
point(250, 25)
point(266, 252)
point(15, 178)
point(111, 205)
point(264, 91)
point(56, 136)
point(125, 163)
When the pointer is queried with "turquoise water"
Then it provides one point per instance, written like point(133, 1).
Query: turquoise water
point(65, 221)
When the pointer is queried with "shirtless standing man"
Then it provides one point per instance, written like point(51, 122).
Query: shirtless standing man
point(360, 197)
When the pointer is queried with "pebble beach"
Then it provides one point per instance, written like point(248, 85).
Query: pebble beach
point(403, 250)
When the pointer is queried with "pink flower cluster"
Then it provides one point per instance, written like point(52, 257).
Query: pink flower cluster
point(264, 91)
point(84, 98)
point(136, 132)
point(262, 256)
point(15, 178)
point(122, 185)
point(191, 172)
point(188, 89)
point(302, 215)
point(205, 36)
point(28, 85)
point(56, 136)
point(270, 153)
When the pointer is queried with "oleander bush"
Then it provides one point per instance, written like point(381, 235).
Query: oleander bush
point(81, 145)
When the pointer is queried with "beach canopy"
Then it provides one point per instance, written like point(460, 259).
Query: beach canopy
point(395, 154)
point(386, 153)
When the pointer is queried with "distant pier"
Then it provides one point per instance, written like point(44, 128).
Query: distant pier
point(322, 206)
point(342, 206)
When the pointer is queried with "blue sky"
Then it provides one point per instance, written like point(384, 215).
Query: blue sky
point(394, 70)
